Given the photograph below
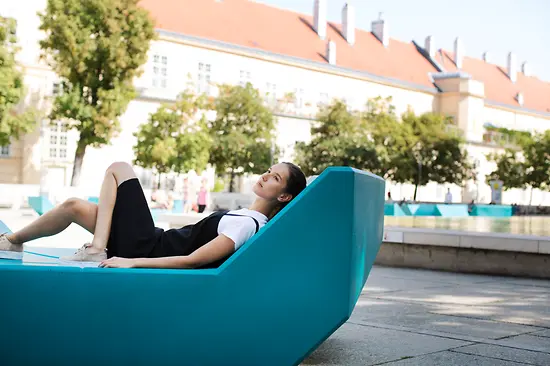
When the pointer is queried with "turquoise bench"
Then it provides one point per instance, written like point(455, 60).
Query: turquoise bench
point(393, 209)
point(492, 210)
point(272, 303)
point(40, 204)
point(454, 210)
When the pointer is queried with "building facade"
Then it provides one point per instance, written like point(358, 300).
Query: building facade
point(206, 42)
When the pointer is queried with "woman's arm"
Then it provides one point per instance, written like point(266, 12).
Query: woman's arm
point(216, 249)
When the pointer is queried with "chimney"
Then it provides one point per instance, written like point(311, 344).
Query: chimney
point(380, 30)
point(429, 46)
point(512, 71)
point(348, 23)
point(519, 98)
point(459, 52)
point(486, 56)
point(526, 69)
point(320, 18)
point(331, 52)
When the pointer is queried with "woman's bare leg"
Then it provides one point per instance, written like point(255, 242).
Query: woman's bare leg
point(58, 219)
point(115, 175)
point(94, 218)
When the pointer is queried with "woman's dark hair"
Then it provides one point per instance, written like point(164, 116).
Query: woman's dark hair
point(295, 184)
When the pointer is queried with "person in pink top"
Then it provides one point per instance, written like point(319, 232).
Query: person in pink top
point(202, 196)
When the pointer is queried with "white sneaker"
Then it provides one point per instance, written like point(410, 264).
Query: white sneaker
point(82, 255)
point(8, 250)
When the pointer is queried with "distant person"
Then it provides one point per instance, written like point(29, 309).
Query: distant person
point(185, 196)
point(157, 200)
point(202, 197)
point(390, 200)
point(448, 197)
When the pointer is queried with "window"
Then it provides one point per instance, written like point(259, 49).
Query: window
point(324, 98)
point(58, 140)
point(203, 85)
point(56, 89)
point(160, 71)
point(5, 151)
point(271, 92)
point(244, 78)
point(299, 98)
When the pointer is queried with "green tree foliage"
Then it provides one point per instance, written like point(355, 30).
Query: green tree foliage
point(510, 169)
point(433, 152)
point(337, 138)
point(96, 47)
point(527, 167)
point(13, 124)
point(537, 158)
point(242, 133)
point(176, 138)
point(391, 138)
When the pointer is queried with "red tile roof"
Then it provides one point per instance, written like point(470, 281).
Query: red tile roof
point(264, 27)
point(250, 24)
point(498, 87)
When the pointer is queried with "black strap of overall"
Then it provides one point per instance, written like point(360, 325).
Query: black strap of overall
point(255, 221)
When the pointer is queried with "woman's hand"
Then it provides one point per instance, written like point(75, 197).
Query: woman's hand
point(116, 262)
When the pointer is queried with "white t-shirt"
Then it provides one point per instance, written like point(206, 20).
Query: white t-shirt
point(241, 228)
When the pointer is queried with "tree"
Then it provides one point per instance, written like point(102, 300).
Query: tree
point(433, 152)
point(337, 138)
point(537, 159)
point(96, 47)
point(526, 166)
point(176, 138)
point(391, 138)
point(242, 133)
point(510, 169)
point(12, 123)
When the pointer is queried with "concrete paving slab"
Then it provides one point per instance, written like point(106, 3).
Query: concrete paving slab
point(542, 333)
point(526, 312)
point(432, 276)
point(376, 284)
point(357, 345)
point(370, 310)
point(528, 341)
point(452, 359)
point(506, 353)
point(466, 295)
point(457, 325)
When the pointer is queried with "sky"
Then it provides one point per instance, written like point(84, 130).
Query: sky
point(497, 26)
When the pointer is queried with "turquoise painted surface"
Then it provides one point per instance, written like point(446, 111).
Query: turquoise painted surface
point(393, 209)
point(272, 303)
point(40, 204)
point(453, 210)
point(492, 210)
point(425, 209)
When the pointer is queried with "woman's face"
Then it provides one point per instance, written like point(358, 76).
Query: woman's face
point(272, 184)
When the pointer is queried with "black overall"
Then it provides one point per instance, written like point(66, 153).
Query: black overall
point(134, 235)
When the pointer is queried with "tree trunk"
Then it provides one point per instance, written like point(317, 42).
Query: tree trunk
point(231, 181)
point(77, 165)
point(415, 190)
point(531, 197)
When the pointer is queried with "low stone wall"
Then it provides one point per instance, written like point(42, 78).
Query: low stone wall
point(487, 253)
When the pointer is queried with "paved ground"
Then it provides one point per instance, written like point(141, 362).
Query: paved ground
point(417, 317)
